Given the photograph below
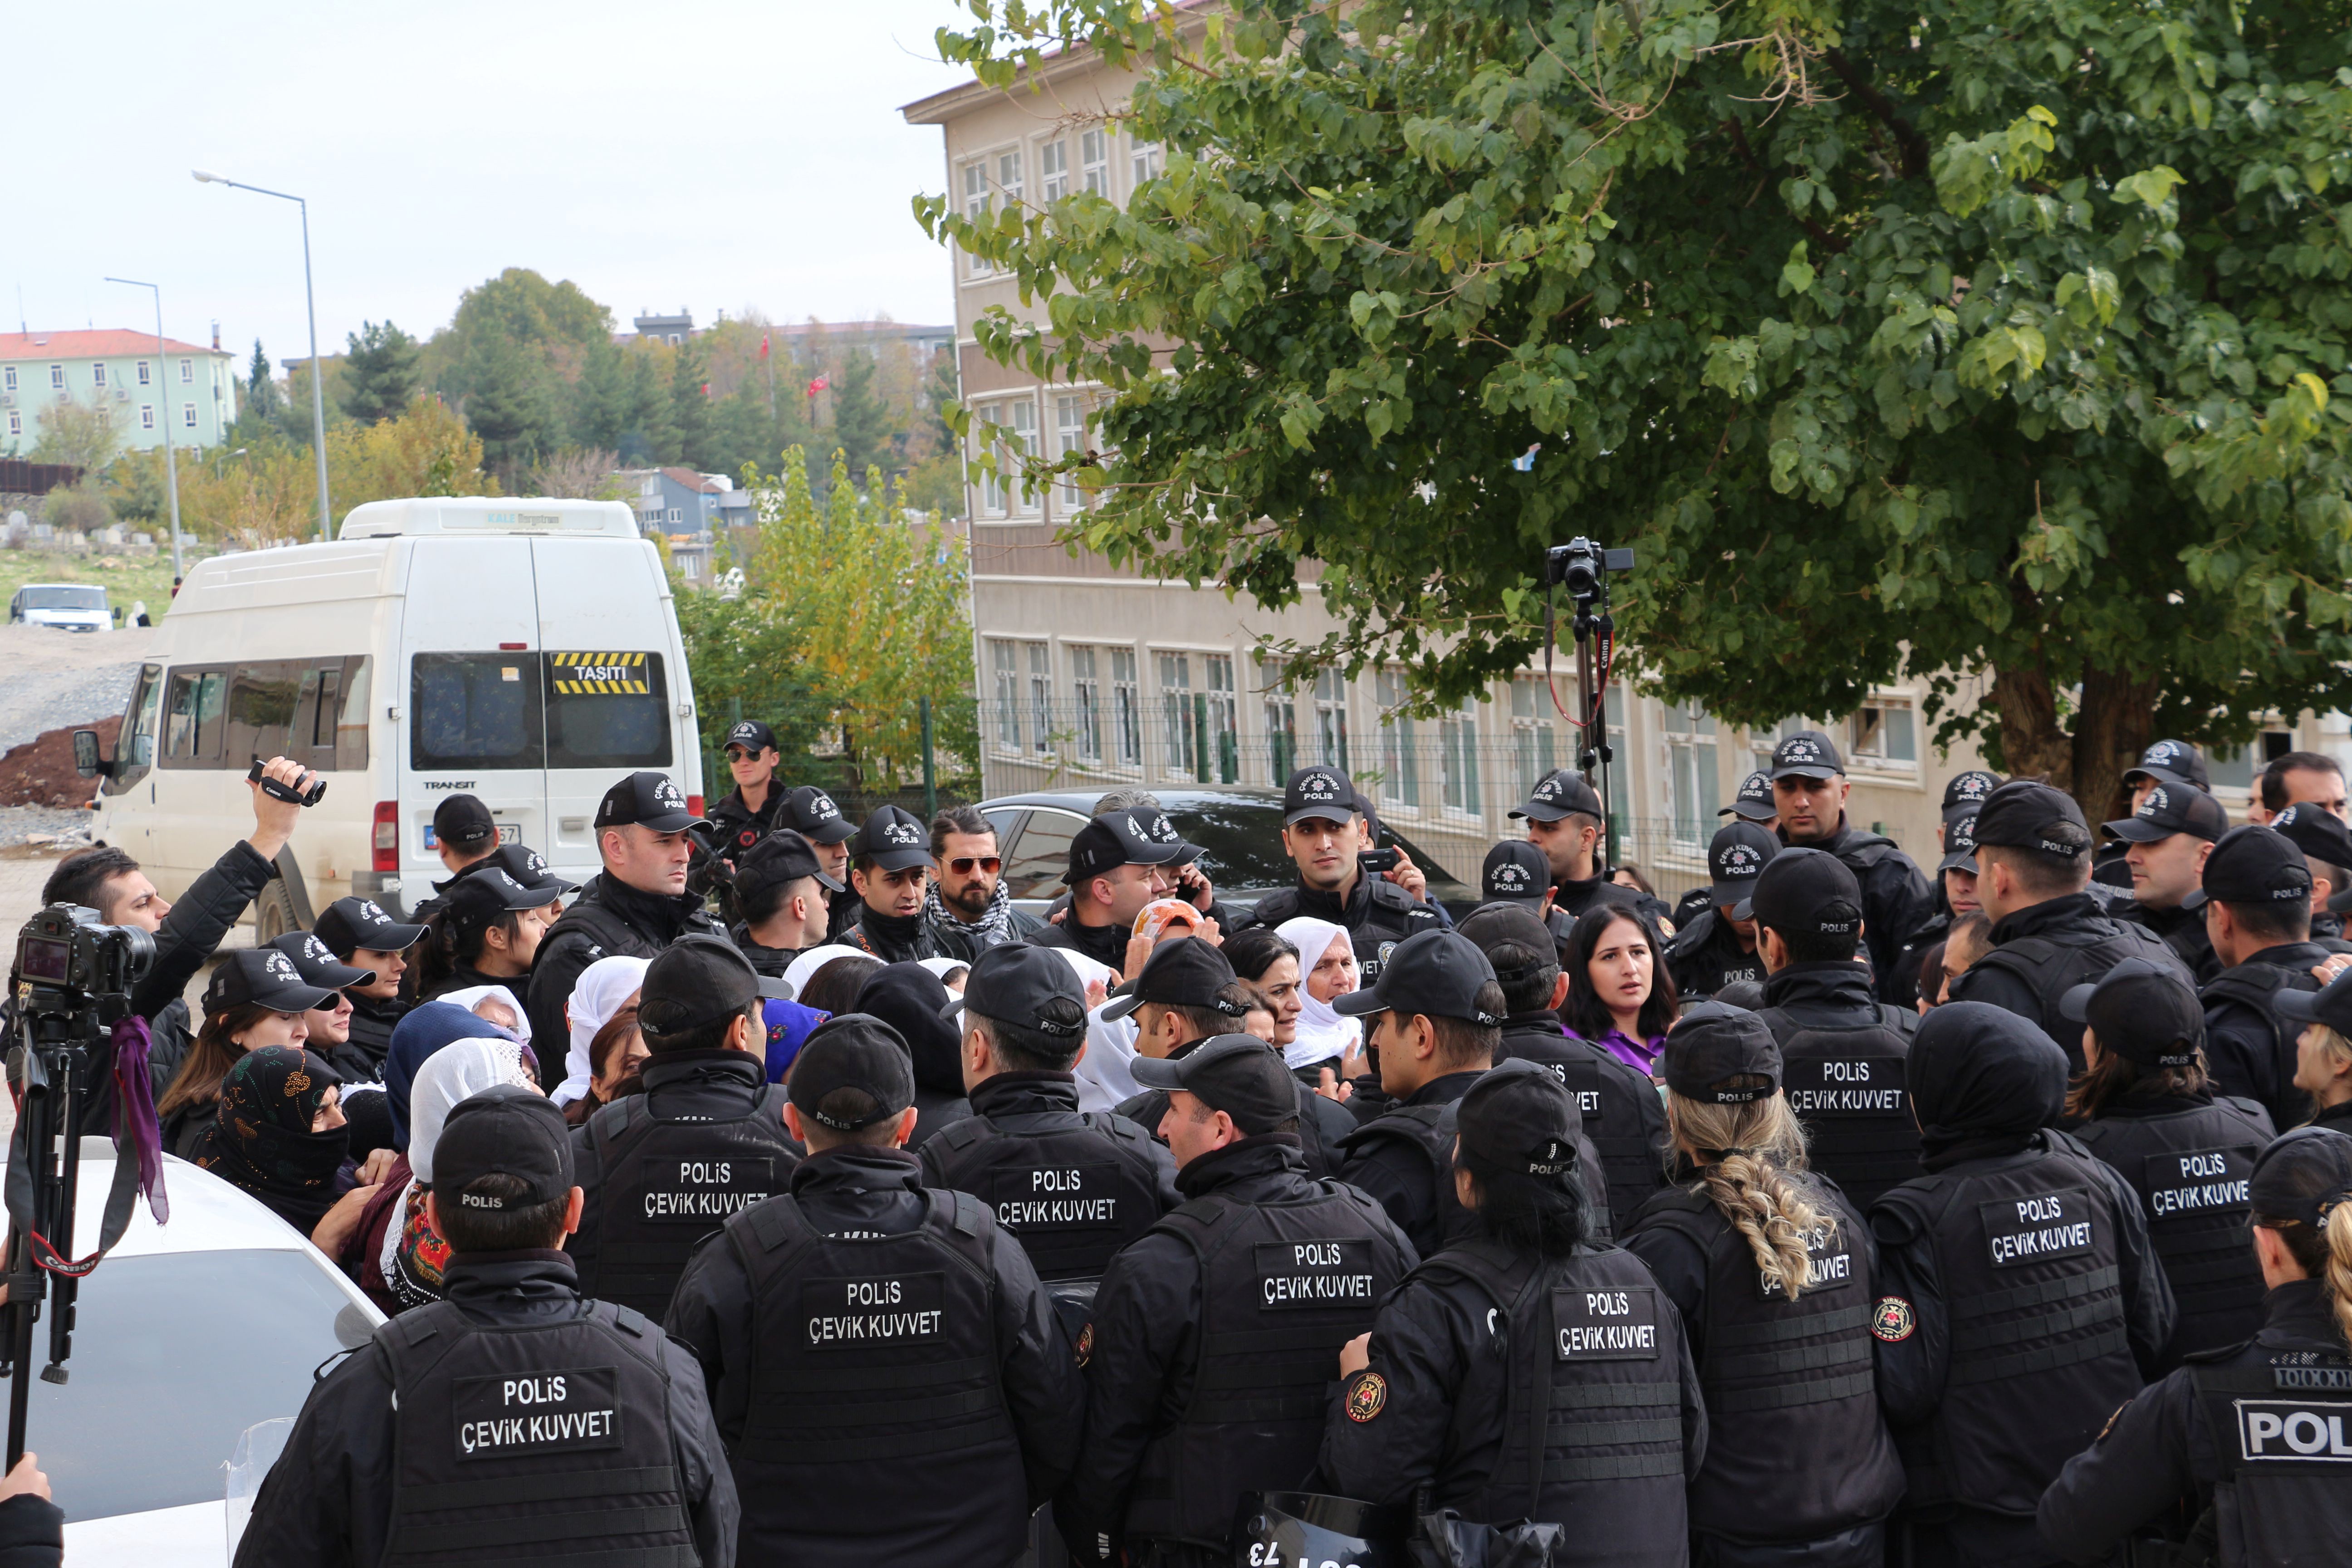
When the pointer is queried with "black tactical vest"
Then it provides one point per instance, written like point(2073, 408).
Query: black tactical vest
point(2053, 963)
point(1847, 1084)
point(1431, 1130)
point(1283, 1287)
point(2282, 1427)
point(1785, 1377)
point(2039, 1356)
point(2191, 1169)
point(548, 1439)
point(1705, 956)
point(1592, 1429)
point(670, 1183)
point(1611, 1097)
point(1072, 1187)
point(2256, 985)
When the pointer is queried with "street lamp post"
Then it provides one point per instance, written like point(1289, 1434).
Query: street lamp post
point(164, 398)
point(317, 371)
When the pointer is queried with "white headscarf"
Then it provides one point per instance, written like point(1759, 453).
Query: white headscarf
point(457, 1069)
point(1103, 1080)
point(471, 998)
point(596, 995)
point(1322, 1033)
point(797, 973)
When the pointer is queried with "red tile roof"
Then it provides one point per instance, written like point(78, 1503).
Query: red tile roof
point(113, 343)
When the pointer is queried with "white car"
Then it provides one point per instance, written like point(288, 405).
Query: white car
point(187, 1335)
point(69, 606)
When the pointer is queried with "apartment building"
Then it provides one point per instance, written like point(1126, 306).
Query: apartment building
point(184, 388)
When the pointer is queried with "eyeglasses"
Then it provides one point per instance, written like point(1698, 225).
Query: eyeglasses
point(963, 864)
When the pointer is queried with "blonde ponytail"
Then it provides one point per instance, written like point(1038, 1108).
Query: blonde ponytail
point(1745, 1153)
point(2339, 1232)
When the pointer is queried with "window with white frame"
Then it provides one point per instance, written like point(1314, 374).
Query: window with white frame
point(1884, 733)
point(977, 203)
point(188, 372)
point(57, 377)
point(1086, 703)
point(1400, 768)
point(8, 378)
point(1331, 718)
point(1457, 758)
point(97, 372)
point(1176, 714)
point(1535, 740)
point(1041, 698)
point(1069, 437)
point(143, 372)
point(1281, 735)
point(1054, 170)
point(1021, 424)
point(16, 423)
point(1008, 176)
point(1005, 661)
point(1094, 161)
point(146, 416)
point(1693, 787)
point(996, 491)
point(1225, 736)
point(188, 415)
point(1146, 159)
point(1126, 709)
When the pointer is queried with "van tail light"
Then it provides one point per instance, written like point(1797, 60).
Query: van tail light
point(386, 843)
point(693, 805)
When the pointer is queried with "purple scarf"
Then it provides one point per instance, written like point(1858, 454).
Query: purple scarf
point(134, 1112)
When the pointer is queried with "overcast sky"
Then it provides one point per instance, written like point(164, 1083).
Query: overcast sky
point(710, 153)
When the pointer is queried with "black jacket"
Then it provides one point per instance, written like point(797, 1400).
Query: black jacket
point(1103, 943)
point(465, 977)
point(2073, 916)
point(1578, 898)
point(1706, 956)
point(1395, 1174)
point(1896, 899)
point(373, 1021)
point(1377, 912)
point(2245, 1050)
point(32, 1533)
point(609, 919)
point(893, 939)
point(770, 961)
point(328, 1501)
point(2184, 932)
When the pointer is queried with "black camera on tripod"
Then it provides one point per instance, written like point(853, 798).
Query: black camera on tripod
point(71, 964)
point(1580, 565)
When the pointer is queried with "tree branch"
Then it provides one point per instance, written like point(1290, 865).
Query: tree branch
point(1913, 145)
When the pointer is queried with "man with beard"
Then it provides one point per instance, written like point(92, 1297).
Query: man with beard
point(968, 907)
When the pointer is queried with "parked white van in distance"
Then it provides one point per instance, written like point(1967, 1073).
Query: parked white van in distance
point(523, 651)
point(68, 606)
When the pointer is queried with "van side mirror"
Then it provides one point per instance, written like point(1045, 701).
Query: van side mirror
point(87, 761)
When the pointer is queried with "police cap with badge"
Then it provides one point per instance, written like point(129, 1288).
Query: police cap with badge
point(751, 737)
point(2253, 866)
point(1736, 858)
point(1318, 793)
point(1560, 794)
point(2168, 808)
point(812, 814)
point(1753, 802)
point(1436, 974)
point(892, 840)
point(1515, 872)
point(1806, 754)
point(2171, 762)
point(649, 800)
point(1138, 836)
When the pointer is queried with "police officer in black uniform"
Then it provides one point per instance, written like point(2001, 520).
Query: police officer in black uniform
point(1956, 899)
point(1071, 1186)
point(2326, 847)
point(889, 867)
point(1844, 1051)
point(666, 1168)
point(359, 932)
point(1323, 833)
point(514, 1419)
point(1120, 862)
point(1718, 947)
point(463, 833)
point(1516, 874)
point(2250, 1440)
point(1623, 1118)
point(2145, 1107)
point(2166, 840)
point(1564, 820)
point(1770, 1269)
point(2019, 1300)
point(749, 812)
point(1216, 1334)
point(783, 894)
point(2033, 856)
point(319, 967)
point(1810, 786)
point(1523, 1373)
point(888, 1375)
point(2257, 900)
point(817, 818)
point(1752, 803)
point(2172, 763)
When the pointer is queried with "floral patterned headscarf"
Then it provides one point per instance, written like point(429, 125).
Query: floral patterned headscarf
point(262, 1142)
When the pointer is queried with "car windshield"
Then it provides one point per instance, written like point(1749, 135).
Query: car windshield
point(174, 1355)
point(62, 598)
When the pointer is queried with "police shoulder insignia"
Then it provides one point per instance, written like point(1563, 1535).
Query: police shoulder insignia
point(1892, 1320)
point(1085, 1345)
point(2111, 1422)
point(1367, 1397)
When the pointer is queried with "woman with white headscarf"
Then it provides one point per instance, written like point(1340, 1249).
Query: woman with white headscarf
point(604, 988)
point(1327, 970)
point(413, 1255)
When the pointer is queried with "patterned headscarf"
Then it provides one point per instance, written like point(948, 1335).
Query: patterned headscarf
point(261, 1139)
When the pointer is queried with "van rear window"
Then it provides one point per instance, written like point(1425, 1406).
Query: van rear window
point(607, 711)
point(554, 710)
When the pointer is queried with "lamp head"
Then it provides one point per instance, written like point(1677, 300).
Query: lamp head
point(206, 177)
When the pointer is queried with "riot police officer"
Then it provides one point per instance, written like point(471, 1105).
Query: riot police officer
point(513, 1417)
point(360, 933)
point(2326, 847)
point(1215, 1333)
point(2257, 900)
point(666, 1168)
point(2145, 1105)
point(1752, 802)
point(1770, 1268)
point(2018, 1300)
point(817, 818)
point(1718, 947)
point(781, 891)
point(885, 1367)
point(1523, 1373)
point(1564, 820)
point(2165, 842)
point(1810, 786)
point(1517, 873)
point(1623, 1118)
point(2247, 1439)
point(748, 812)
point(1325, 835)
point(1071, 1186)
point(1844, 1051)
point(2033, 857)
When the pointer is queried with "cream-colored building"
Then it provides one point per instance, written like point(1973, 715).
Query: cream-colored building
point(1095, 677)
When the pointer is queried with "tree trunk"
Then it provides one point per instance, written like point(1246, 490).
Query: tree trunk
point(2032, 743)
point(2117, 721)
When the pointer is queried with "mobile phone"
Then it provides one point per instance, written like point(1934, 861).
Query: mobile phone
point(276, 791)
point(1376, 861)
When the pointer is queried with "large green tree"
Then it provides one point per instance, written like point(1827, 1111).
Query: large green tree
point(865, 428)
point(1986, 338)
point(383, 372)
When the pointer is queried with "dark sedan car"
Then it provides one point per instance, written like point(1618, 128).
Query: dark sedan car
point(1239, 830)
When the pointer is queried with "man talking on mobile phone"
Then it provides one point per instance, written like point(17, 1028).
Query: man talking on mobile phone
point(1324, 833)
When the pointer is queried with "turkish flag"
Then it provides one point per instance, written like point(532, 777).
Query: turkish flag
point(819, 384)
point(763, 346)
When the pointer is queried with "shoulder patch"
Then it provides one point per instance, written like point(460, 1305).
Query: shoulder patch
point(1084, 1348)
point(1367, 1397)
point(1892, 1320)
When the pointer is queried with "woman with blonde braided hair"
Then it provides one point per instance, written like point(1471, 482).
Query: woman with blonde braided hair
point(1771, 1270)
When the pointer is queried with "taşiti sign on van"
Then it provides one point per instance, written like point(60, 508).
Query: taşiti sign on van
point(610, 674)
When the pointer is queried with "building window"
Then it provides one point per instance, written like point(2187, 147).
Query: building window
point(57, 377)
point(188, 415)
point(995, 495)
point(98, 374)
point(8, 385)
point(16, 423)
point(1176, 714)
point(1225, 736)
point(146, 416)
point(1125, 708)
point(1086, 691)
point(1022, 423)
point(1884, 733)
point(1041, 698)
point(1147, 162)
point(1693, 786)
point(976, 202)
point(1008, 175)
point(677, 515)
point(1054, 170)
point(1281, 736)
point(1457, 758)
point(1400, 768)
point(188, 372)
point(1331, 720)
point(1070, 437)
point(1002, 656)
point(1094, 161)
point(1536, 742)
point(143, 372)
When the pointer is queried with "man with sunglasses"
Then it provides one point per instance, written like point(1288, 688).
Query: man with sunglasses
point(968, 907)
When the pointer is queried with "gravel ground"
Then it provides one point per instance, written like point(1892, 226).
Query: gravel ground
point(61, 678)
point(19, 824)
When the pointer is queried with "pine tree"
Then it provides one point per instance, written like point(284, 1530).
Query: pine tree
point(381, 373)
point(649, 439)
point(689, 399)
point(262, 395)
point(862, 424)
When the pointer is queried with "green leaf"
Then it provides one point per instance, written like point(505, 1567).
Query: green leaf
point(1797, 274)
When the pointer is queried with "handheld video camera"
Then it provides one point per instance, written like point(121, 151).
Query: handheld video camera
point(276, 791)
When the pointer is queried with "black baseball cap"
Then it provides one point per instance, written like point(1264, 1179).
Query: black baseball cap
point(2330, 1004)
point(475, 902)
point(646, 799)
point(1140, 835)
point(503, 1131)
point(349, 924)
point(1436, 973)
point(1734, 859)
point(316, 965)
point(1754, 803)
point(1806, 754)
point(2022, 815)
point(1806, 891)
point(1960, 843)
point(1186, 973)
point(461, 822)
point(811, 812)
point(2319, 834)
point(1559, 794)
point(2169, 808)
point(1493, 924)
point(1240, 1075)
point(2141, 1011)
point(528, 867)
point(2171, 761)
point(1516, 873)
point(851, 1071)
point(893, 838)
point(782, 856)
point(1965, 792)
point(262, 977)
point(698, 979)
point(1316, 792)
point(1520, 1118)
point(1714, 1042)
point(752, 735)
point(2302, 1175)
point(2253, 866)
point(1026, 985)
